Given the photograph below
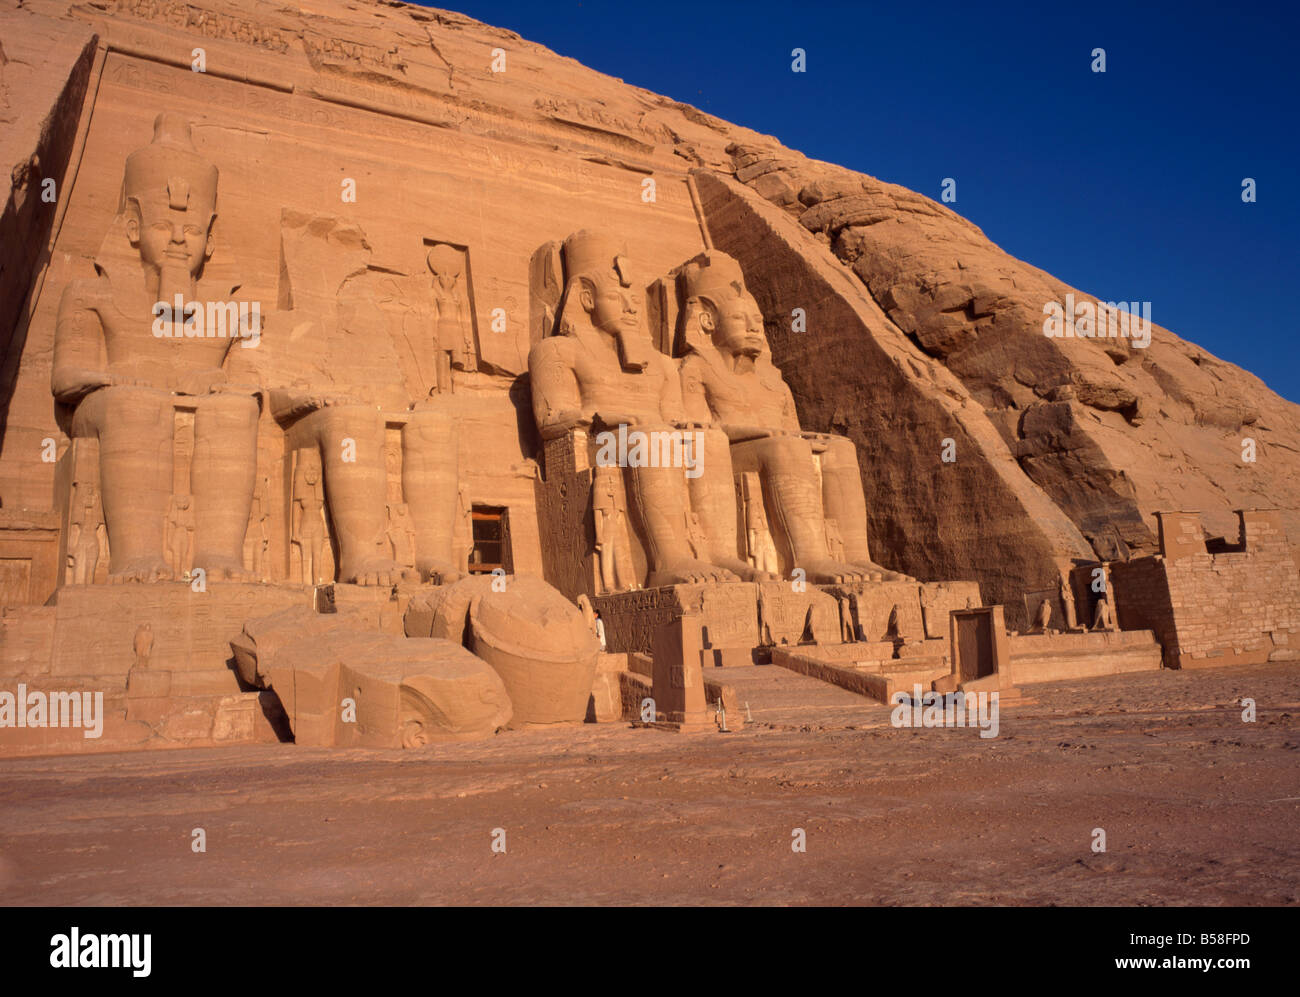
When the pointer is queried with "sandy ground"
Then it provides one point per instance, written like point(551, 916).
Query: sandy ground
point(1198, 807)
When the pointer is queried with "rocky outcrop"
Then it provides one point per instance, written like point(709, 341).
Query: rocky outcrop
point(853, 372)
point(1110, 430)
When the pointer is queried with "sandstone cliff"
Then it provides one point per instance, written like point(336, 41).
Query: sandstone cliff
point(919, 330)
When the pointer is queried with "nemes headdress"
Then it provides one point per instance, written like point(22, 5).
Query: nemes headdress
point(595, 255)
point(713, 275)
point(170, 171)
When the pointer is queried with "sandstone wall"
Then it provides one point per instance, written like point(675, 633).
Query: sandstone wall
point(1235, 607)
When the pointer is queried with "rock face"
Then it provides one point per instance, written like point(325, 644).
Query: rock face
point(1109, 430)
point(387, 176)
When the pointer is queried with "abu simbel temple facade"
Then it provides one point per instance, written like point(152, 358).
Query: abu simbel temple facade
point(375, 377)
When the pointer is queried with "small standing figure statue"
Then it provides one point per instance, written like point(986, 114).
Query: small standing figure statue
point(180, 536)
point(261, 531)
point(309, 515)
point(834, 542)
point(1067, 605)
point(764, 620)
point(463, 530)
point(1104, 617)
point(695, 535)
point(454, 330)
point(401, 534)
point(143, 645)
point(758, 538)
point(83, 545)
point(611, 532)
point(847, 634)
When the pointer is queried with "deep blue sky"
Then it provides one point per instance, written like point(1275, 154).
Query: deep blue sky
point(1125, 184)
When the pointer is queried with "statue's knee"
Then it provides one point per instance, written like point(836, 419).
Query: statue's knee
point(336, 424)
point(787, 452)
point(429, 430)
point(227, 412)
point(137, 410)
point(840, 452)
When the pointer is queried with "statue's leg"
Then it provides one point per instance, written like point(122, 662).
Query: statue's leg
point(315, 556)
point(796, 515)
point(430, 480)
point(134, 427)
point(713, 498)
point(222, 476)
point(351, 441)
point(624, 570)
point(846, 504)
point(659, 497)
point(605, 553)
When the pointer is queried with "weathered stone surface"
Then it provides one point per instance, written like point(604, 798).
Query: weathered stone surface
point(541, 647)
point(341, 686)
point(853, 372)
point(1112, 432)
point(45, 68)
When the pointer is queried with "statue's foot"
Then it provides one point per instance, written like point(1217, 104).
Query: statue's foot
point(437, 572)
point(746, 571)
point(372, 571)
point(690, 573)
point(871, 567)
point(142, 569)
point(225, 569)
point(828, 572)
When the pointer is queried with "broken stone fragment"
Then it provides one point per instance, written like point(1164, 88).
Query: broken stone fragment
point(350, 689)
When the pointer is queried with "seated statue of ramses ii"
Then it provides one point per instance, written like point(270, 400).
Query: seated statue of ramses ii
point(600, 370)
point(122, 371)
point(729, 382)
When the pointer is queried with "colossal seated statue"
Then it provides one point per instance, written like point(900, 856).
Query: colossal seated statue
point(730, 382)
point(338, 388)
point(124, 370)
point(599, 370)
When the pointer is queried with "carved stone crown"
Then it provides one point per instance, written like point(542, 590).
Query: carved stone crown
point(170, 170)
point(594, 253)
point(713, 275)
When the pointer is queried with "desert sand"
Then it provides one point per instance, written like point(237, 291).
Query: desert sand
point(1198, 807)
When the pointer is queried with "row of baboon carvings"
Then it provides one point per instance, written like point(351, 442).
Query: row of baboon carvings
point(164, 471)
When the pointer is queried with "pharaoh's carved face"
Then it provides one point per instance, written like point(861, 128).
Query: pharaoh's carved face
point(613, 308)
point(736, 325)
point(169, 237)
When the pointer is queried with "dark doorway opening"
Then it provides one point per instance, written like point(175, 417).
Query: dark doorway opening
point(491, 540)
